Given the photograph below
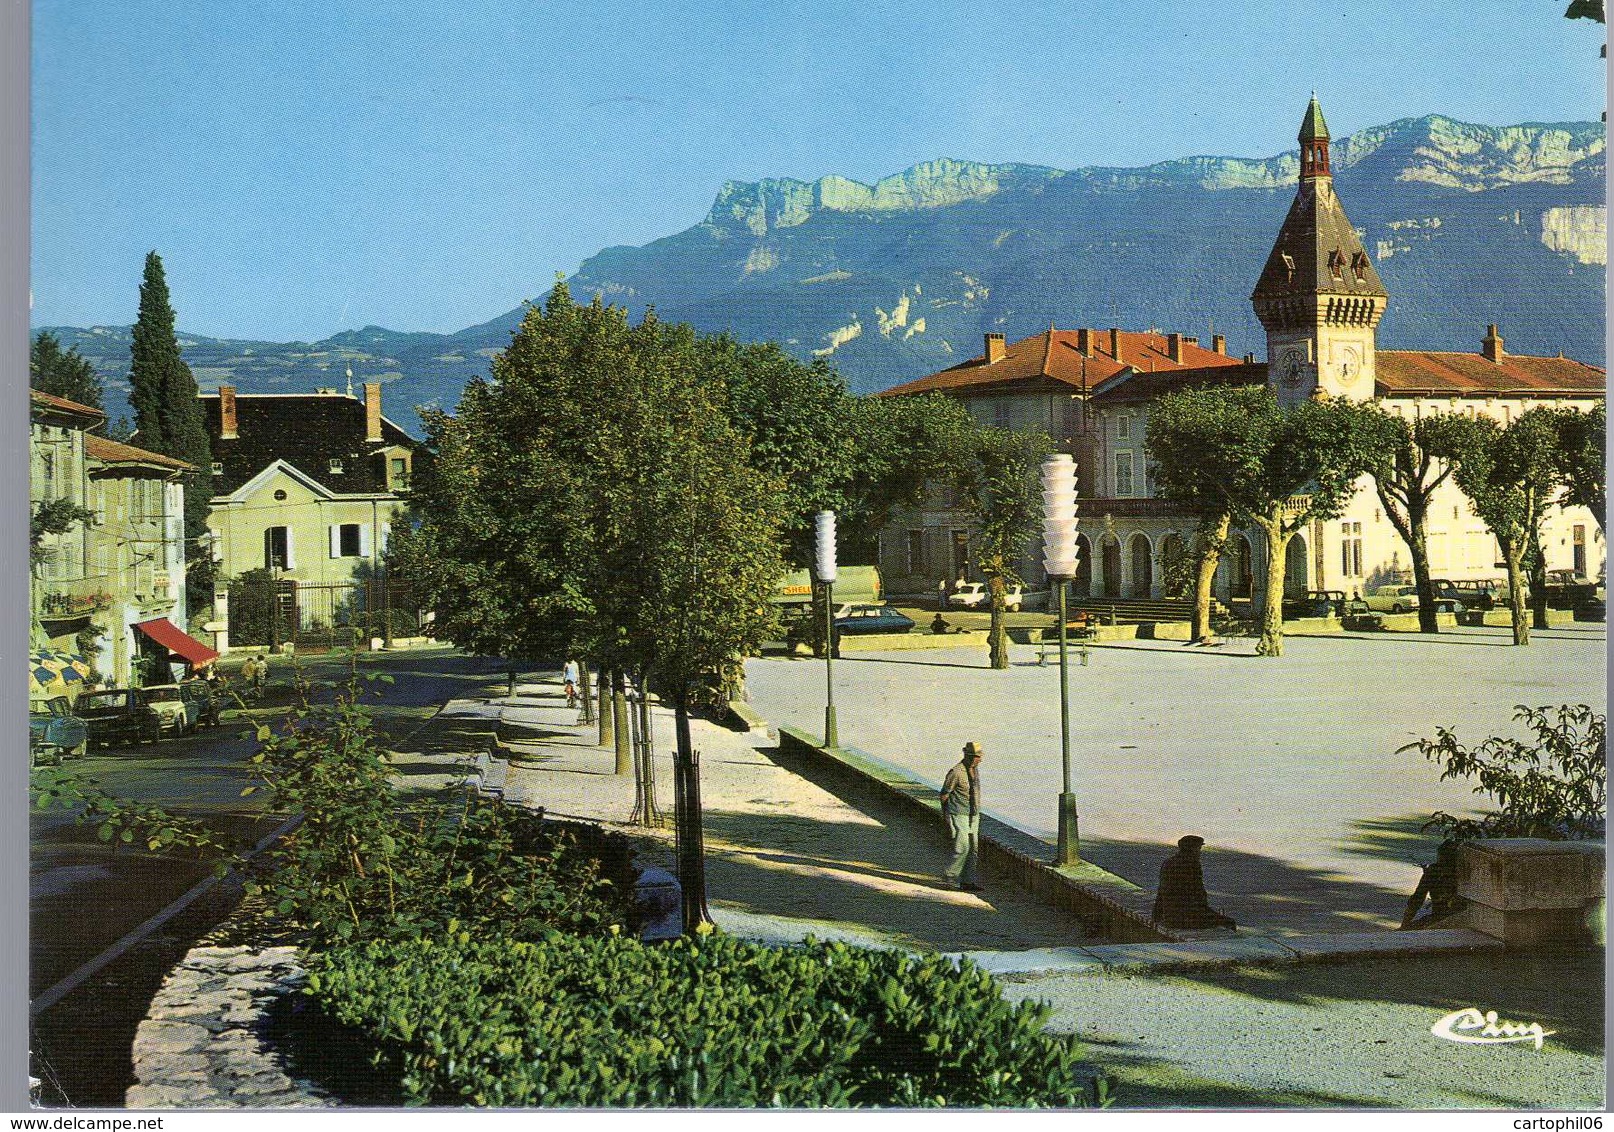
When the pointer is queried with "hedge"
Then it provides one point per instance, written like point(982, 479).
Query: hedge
point(712, 1021)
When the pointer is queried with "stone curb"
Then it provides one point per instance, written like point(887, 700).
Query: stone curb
point(203, 1042)
point(1163, 958)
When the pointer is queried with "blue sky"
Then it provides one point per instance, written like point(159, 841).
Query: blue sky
point(305, 168)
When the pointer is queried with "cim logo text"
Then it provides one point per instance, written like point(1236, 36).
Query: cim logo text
point(1485, 1029)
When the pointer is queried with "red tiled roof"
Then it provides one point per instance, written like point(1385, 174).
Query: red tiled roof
point(62, 403)
point(113, 452)
point(1134, 386)
point(1428, 372)
point(1054, 355)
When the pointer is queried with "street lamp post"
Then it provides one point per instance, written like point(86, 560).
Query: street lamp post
point(825, 530)
point(1059, 552)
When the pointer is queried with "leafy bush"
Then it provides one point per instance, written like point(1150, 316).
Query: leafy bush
point(709, 1021)
point(1554, 787)
point(360, 866)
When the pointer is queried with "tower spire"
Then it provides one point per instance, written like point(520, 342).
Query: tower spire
point(1313, 143)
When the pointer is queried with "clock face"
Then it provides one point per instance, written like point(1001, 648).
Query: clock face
point(1350, 366)
point(1289, 367)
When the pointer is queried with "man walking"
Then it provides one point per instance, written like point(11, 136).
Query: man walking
point(961, 806)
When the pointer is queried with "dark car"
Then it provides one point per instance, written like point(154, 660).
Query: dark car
point(118, 715)
point(1480, 594)
point(54, 731)
point(203, 703)
point(1356, 615)
point(873, 619)
point(1316, 603)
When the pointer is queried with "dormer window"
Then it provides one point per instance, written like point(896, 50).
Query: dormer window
point(1336, 264)
point(218, 467)
point(336, 467)
point(1288, 265)
point(1359, 266)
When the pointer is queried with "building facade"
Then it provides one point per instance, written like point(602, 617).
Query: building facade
point(111, 588)
point(306, 488)
point(1320, 299)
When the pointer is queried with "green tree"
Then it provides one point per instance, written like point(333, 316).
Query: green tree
point(1582, 460)
point(168, 417)
point(1407, 473)
point(62, 373)
point(995, 476)
point(52, 517)
point(1511, 475)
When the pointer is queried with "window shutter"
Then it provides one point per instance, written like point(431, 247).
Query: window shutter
point(336, 540)
point(364, 540)
point(386, 536)
point(291, 553)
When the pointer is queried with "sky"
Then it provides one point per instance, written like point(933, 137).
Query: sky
point(306, 168)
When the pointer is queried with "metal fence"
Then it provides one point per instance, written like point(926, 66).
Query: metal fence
point(316, 618)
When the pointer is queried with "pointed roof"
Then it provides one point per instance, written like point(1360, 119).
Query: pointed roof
point(1312, 127)
point(1317, 250)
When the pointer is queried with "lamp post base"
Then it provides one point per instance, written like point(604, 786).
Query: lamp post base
point(1070, 844)
point(832, 736)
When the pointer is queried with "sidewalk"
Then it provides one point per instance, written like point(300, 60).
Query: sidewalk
point(786, 857)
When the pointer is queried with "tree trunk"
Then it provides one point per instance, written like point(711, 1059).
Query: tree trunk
point(585, 692)
point(1271, 642)
point(997, 637)
point(644, 774)
point(619, 723)
point(1211, 540)
point(510, 692)
point(1418, 546)
point(691, 841)
point(606, 718)
point(1513, 556)
point(1538, 584)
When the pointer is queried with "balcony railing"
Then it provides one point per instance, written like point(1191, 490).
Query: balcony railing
point(56, 603)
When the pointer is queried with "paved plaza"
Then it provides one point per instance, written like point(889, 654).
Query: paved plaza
point(1288, 767)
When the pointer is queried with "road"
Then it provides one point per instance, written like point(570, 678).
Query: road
point(1287, 766)
point(84, 896)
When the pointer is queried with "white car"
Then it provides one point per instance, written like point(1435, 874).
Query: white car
point(978, 595)
point(1394, 599)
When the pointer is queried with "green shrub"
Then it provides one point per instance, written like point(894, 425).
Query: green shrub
point(710, 1021)
point(362, 867)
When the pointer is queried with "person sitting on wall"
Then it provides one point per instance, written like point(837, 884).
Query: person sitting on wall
point(939, 625)
point(1181, 900)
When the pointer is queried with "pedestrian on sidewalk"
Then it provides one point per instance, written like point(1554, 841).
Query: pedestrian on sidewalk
point(961, 806)
point(571, 674)
point(1181, 900)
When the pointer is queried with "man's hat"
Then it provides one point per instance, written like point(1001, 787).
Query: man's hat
point(973, 748)
point(1192, 841)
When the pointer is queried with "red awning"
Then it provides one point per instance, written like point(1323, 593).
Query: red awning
point(176, 640)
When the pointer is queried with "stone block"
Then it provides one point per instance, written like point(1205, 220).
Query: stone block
point(1525, 873)
point(658, 900)
point(170, 1036)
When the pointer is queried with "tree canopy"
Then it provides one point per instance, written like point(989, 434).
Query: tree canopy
point(63, 373)
point(1582, 460)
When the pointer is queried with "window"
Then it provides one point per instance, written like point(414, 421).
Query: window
point(348, 541)
point(1359, 265)
point(1123, 428)
point(1336, 264)
point(1000, 414)
point(277, 548)
point(916, 552)
point(400, 472)
point(218, 467)
point(1350, 550)
point(1123, 474)
point(336, 467)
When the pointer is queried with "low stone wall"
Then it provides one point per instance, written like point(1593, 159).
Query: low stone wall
point(1529, 892)
point(204, 1043)
point(1106, 904)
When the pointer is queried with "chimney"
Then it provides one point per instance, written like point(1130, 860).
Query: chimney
point(1491, 347)
point(1174, 347)
point(995, 348)
point(1084, 342)
point(1249, 359)
point(227, 412)
point(1219, 343)
point(1115, 342)
point(372, 411)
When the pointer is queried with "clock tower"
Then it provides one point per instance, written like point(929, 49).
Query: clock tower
point(1319, 297)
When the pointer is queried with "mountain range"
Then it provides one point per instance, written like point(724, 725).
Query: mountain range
point(1467, 224)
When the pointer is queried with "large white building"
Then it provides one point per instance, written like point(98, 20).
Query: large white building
point(1320, 300)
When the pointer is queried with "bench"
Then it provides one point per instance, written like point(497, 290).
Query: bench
point(1047, 649)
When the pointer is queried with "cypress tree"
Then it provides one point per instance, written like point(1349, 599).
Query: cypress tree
point(168, 416)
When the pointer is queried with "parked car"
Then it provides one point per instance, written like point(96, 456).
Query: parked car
point(117, 715)
point(1567, 589)
point(872, 619)
point(54, 731)
point(1316, 603)
point(178, 715)
point(1394, 599)
point(207, 704)
point(1357, 616)
point(978, 595)
point(1481, 594)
